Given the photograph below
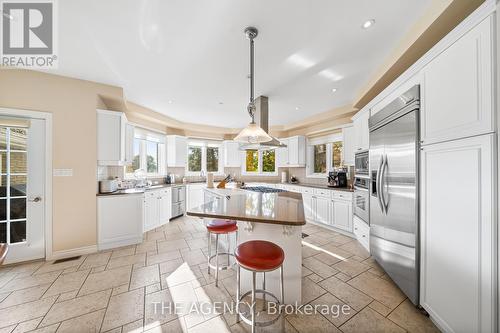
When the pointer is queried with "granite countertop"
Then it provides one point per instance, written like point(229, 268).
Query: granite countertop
point(139, 190)
point(283, 208)
point(159, 186)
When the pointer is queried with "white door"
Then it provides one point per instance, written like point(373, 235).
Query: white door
point(22, 190)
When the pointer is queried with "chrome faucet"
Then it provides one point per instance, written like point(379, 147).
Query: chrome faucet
point(202, 175)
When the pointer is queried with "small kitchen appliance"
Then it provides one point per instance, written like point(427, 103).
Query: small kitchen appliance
point(337, 179)
point(108, 186)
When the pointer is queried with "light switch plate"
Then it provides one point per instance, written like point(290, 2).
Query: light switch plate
point(62, 172)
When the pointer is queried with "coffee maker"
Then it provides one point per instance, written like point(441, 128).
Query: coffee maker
point(337, 179)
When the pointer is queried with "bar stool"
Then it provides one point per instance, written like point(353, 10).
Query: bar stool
point(258, 256)
point(220, 227)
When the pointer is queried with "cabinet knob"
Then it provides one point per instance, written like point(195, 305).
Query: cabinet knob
point(363, 236)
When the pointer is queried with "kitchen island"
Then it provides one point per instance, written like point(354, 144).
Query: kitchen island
point(275, 217)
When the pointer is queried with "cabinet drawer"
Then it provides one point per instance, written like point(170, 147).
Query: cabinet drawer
point(306, 190)
point(322, 192)
point(342, 195)
point(362, 232)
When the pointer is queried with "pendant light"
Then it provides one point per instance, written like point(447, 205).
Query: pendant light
point(253, 133)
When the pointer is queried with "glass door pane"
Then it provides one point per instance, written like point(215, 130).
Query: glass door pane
point(13, 181)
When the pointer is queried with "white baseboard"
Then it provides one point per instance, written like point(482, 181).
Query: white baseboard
point(73, 252)
point(119, 243)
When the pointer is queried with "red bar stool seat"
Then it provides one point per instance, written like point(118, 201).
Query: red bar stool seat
point(220, 227)
point(258, 256)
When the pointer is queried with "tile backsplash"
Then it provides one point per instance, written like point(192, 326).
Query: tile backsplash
point(109, 172)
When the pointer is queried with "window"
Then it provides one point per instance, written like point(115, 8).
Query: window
point(194, 159)
point(260, 162)
point(337, 154)
point(324, 154)
point(148, 154)
point(203, 156)
point(320, 158)
point(252, 161)
point(212, 159)
point(268, 161)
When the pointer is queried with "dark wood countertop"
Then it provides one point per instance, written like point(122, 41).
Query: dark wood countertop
point(284, 208)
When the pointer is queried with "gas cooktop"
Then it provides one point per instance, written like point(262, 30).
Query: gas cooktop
point(262, 189)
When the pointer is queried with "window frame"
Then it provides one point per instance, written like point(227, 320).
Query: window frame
point(204, 146)
point(329, 141)
point(259, 171)
point(161, 158)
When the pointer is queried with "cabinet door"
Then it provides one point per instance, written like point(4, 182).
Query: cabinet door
point(309, 203)
point(358, 140)
point(109, 138)
point(342, 214)
point(232, 154)
point(151, 211)
point(129, 144)
point(282, 154)
point(293, 151)
point(365, 131)
point(322, 210)
point(195, 196)
point(457, 233)
point(348, 145)
point(457, 89)
point(165, 206)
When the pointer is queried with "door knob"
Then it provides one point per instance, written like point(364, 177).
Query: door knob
point(35, 199)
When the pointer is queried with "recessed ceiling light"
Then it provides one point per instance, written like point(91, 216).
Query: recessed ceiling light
point(334, 89)
point(170, 102)
point(297, 108)
point(368, 24)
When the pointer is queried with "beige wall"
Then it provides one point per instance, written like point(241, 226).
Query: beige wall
point(72, 104)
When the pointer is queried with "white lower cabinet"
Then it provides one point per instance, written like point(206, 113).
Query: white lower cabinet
point(458, 234)
point(157, 208)
point(341, 212)
point(330, 207)
point(323, 210)
point(119, 220)
point(362, 232)
point(195, 195)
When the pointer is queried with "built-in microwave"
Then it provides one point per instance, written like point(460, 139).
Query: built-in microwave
point(361, 165)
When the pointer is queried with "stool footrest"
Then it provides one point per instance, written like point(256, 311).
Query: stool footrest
point(248, 320)
point(222, 266)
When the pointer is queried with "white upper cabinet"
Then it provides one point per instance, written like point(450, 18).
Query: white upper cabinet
point(114, 138)
point(361, 131)
point(294, 155)
point(232, 154)
point(457, 223)
point(176, 151)
point(457, 88)
point(348, 145)
point(282, 154)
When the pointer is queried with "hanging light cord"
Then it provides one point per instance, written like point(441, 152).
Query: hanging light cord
point(251, 104)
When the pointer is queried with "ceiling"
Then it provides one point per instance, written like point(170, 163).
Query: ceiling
point(189, 59)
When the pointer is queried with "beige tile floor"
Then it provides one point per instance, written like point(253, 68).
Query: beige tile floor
point(116, 291)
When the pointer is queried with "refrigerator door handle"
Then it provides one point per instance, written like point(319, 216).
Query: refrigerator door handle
point(383, 185)
point(377, 183)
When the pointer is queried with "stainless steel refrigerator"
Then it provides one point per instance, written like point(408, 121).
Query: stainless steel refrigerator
point(394, 218)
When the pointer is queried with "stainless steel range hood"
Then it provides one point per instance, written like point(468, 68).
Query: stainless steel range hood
point(262, 119)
